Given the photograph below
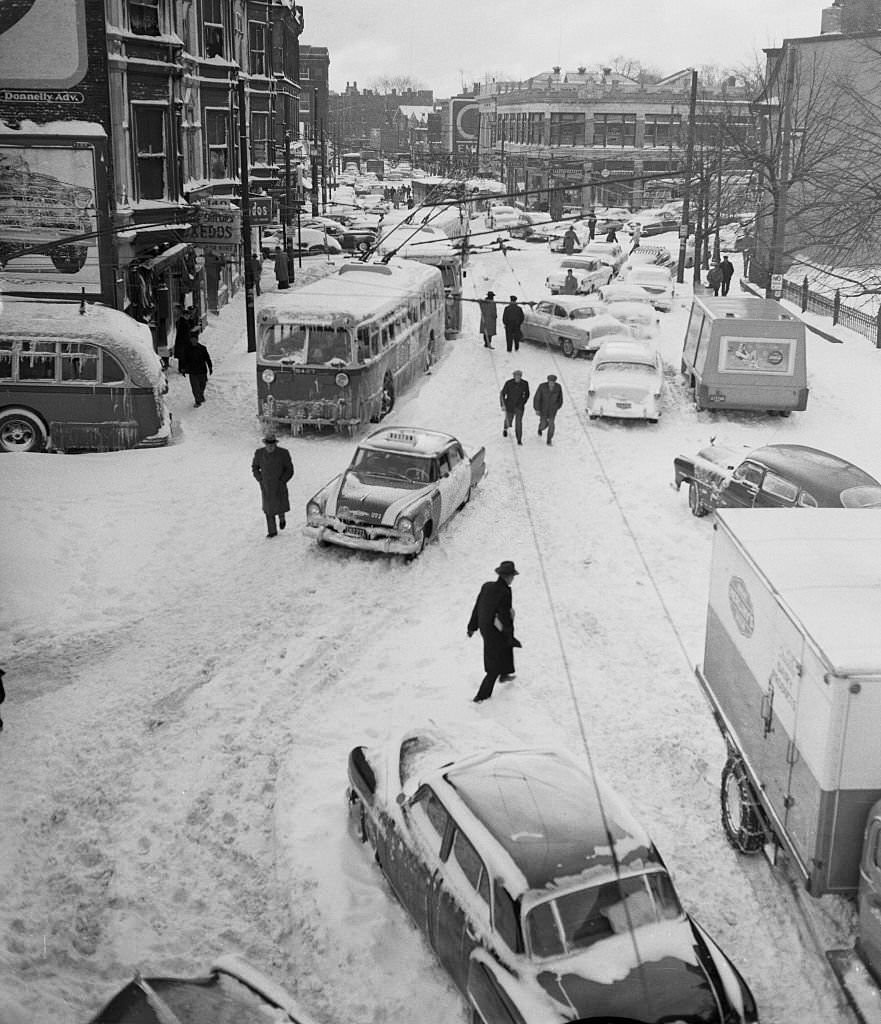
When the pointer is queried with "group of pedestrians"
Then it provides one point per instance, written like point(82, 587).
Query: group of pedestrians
point(512, 321)
point(192, 356)
point(547, 402)
point(719, 276)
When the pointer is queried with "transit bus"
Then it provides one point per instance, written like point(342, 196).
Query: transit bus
point(78, 378)
point(338, 351)
point(427, 244)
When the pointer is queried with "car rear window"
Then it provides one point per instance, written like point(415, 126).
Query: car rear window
point(861, 497)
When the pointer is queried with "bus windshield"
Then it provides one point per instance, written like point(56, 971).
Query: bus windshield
point(312, 345)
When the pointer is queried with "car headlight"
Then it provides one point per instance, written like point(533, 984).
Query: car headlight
point(342, 380)
point(404, 524)
point(314, 512)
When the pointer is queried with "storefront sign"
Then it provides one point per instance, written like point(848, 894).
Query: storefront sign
point(218, 231)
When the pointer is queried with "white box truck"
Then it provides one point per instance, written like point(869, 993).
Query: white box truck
point(792, 670)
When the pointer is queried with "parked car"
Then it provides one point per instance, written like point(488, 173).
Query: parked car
point(626, 381)
point(570, 323)
point(233, 990)
point(612, 218)
point(533, 230)
point(653, 222)
point(402, 485)
point(640, 317)
point(588, 271)
point(311, 241)
point(499, 218)
point(357, 239)
point(651, 256)
point(655, 280)
point(621, 291)
point(540, 894)
point(557, 241)
point(773, 476)
point(610, 251)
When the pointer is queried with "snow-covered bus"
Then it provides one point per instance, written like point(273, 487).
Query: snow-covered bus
point(338, 351)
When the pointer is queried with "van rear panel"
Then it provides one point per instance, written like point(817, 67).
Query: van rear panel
point(752, 395)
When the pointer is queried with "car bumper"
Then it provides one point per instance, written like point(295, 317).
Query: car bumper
point(384, 545)
point(613, 408)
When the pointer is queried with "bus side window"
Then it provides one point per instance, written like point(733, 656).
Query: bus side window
point(79, 361)
point(384, 337)
point(6, 359)
point(363, 345)
point(111, 371)
point(374, 343)
point(36, 360)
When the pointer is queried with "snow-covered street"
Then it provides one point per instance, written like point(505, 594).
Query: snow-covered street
point(183, 692)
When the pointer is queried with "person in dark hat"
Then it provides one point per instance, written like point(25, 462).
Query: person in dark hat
point(512, 319)
point(488, 318)
point(493, 616)
point(547, 403)
point(272, 468)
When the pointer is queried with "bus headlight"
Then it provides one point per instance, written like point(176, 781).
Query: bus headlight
point(342, 380)
point(314, 512)
point(268, 376)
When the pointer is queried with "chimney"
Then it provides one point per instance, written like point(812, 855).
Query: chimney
point(830, 19)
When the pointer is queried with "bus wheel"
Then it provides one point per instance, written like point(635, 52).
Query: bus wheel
point(567, 348)
point(741, 818)
point(388, 396)
point(21, 431)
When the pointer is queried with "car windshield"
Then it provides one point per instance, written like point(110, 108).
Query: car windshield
point(861, 497)
point(402, 467)
point(622, 366)
point(577, 920)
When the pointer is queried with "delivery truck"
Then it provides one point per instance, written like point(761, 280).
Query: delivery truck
point(792, 671)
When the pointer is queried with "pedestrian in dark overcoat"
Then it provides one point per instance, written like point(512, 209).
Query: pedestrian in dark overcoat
point(513, 397)
point(493, 616)
point(488, 318)
point(714, 277)
point(512, 320)
point(256, 270)
point(611, 235)
point(272, 468)
point(183, 338)
point(727, 269)
point(198, 367)
point(282, 277)
point(570, 241)
point(547, 403)
point(591, 225)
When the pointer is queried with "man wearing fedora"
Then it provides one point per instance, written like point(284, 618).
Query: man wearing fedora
point(493, 615)
point(512, 319)
point(488, 318)
point(272, 468)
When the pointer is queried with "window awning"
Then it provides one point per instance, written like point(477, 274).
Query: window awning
point(171, 255)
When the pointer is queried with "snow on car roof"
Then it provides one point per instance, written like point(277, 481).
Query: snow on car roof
point(626, 351)
point(414, 242)
point(407, 439)
point(114, 330)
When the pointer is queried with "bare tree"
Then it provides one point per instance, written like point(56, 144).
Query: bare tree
point(398, 83)
point(630, 67)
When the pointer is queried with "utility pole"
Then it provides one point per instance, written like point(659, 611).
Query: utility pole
point(780, 208)
point(246, 217)
point(686, 190)
point(314, 152)
point(286, 219)
point(323, 144)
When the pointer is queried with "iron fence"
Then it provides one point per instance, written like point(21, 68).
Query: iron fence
point(857, 320)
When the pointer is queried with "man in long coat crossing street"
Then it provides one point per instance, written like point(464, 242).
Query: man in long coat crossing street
point(272, 468)
point(512, 319)
point(488, 318)
point(493, 615)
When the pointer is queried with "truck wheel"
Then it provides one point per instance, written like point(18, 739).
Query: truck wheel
point(567, 348)
point(695, 502)
point(741, 818)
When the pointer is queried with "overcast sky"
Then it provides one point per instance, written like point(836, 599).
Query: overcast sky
point(446, 44)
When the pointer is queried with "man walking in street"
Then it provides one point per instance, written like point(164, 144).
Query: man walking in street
point(547, 403)
point(570, 241)
point(727, 269)
point(198, 365)
point(513, 397)
point(272, 468)
point(493, 615)
point(488, 318)
point(512, 320)
point(591, 225)
point(280, 259)
point(570, 283)
point(256, 271)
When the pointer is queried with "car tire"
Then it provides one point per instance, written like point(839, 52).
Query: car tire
point(741, 817)
point(22, 431)
point(567, 347)
point(695, 501)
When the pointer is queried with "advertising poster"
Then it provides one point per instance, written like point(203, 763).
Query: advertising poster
point(46, 193)
point(34, 57)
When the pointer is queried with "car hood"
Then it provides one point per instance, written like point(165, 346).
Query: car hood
point(370, 502)
point(664, 982)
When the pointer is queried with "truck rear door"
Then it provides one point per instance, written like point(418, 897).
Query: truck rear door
point(870, 893)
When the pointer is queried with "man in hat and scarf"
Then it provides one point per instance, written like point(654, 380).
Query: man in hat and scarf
point(272, 468)
point(493, 615)
point(488, 318)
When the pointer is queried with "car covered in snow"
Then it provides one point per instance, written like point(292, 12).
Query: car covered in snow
point(610, 252)
point(656, 280)
point(626, 381)
point(538, 891)
point(232, 990)
point(571, 323)
point(773, 476)
point(590, 273)
point(500, 217)
point(639, 317)
point(653, 222)
point(402, 485)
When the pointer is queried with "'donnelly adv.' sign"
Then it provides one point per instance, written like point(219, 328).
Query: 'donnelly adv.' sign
point(42, 44)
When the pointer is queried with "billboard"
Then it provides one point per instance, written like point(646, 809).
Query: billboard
point(464, 124)
point(33, 56)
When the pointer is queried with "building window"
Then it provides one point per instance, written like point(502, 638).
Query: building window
point(257, 47)
point(217, 142)
point(535, 132)
point(661, 130)
point(567, 130)
point(614, 130)
point(260, 138)
point(212, 11)
point(143, 17)
point(150, 156)
point(304, 74)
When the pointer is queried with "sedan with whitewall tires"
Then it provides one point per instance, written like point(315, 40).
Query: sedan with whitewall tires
point(626, 382)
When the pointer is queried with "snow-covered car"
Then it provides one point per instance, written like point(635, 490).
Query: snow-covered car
point(571, 323)
point(535, 228)
point(640, 317)
point(650, 256)
point(773, 476)
point(402, 485)
point(626, 381)
point(557, 240)
point(655, 280)
point(499, 218)
point(541, 895)
point(612, 218)
point(233, 990)
point(621, 291)
point(310, 241)
point(590, 273)
point(610, 251)
point(653, 222)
